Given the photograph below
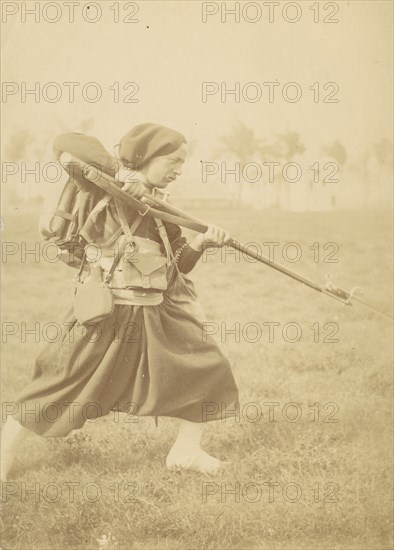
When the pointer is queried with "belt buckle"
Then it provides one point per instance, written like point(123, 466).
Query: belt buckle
point(130, 247)
point(139, 293)
point(136, 291)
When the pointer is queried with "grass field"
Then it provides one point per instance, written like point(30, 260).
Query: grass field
point(323, 480)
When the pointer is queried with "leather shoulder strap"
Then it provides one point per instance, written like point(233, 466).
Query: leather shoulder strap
point(165, 240)
point(128, 231)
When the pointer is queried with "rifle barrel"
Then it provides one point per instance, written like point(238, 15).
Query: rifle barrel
point(274, 265)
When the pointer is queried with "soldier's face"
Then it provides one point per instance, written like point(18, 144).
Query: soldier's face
point(160, 171)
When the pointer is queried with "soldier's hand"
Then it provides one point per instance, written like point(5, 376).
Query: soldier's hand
point(214, 236)
point(133, 182)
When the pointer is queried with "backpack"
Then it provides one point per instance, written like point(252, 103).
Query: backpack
point(71, 201)
point(59, 224)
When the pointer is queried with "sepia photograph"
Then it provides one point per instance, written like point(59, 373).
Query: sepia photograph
point(197, 275)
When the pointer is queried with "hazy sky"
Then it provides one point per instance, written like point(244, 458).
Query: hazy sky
point(170, 52)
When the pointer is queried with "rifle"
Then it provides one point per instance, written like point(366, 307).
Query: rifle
point(151, 205)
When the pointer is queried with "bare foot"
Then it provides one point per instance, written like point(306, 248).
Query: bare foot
point(198, 460)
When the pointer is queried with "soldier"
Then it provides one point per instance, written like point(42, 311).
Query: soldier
point(150, 357)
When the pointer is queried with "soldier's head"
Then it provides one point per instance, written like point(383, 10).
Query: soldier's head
point(155, 151)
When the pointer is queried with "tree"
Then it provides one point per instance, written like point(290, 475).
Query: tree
point(282, 150)
point(337, 151)
point(292, 141)
point(241, 143)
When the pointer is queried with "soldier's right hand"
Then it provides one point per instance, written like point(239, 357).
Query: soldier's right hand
point(133, 182)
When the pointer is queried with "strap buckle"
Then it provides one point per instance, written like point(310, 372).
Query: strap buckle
point(145, 212)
